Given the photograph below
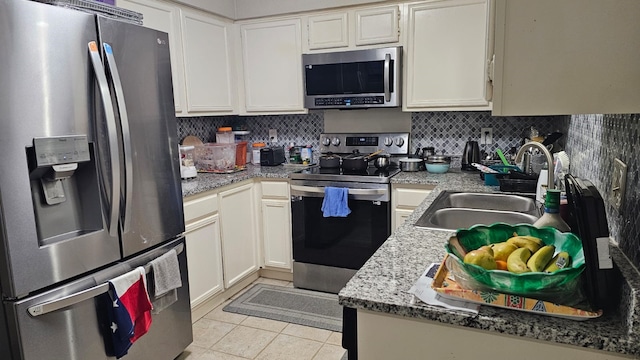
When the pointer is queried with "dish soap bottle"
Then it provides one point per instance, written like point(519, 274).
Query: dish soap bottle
point(551, 216)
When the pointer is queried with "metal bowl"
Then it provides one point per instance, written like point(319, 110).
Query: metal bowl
point(382, 162)
point(438, 159)
point(411, 164)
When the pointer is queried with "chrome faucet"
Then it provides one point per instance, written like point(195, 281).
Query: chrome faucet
point(547, 154)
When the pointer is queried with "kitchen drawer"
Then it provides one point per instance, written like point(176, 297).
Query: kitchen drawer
point(199, 207)
point(411, 197)
point(276, 189)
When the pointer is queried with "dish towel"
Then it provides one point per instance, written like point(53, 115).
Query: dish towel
point(130, 310)
point(335, 202)
point(166, 280)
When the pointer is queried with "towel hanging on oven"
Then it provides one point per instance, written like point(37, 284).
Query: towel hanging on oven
point(334, 203)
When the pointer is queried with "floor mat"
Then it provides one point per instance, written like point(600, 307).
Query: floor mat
point(297, 306)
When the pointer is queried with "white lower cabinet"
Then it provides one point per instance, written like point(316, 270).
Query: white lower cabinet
point(404, 199)
point(204, 259)
point(238, 227)
point(276, 225)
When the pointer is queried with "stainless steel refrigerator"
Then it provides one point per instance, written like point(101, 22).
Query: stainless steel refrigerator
point(89, 179)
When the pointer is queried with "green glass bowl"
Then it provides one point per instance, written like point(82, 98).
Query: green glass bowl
point(552, 286)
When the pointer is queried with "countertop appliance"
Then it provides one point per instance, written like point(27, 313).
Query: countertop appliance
point(87, 127)
point(588, 219)
point(327, 251)
point(353, 79)
point(272, 156)
point(470, 155)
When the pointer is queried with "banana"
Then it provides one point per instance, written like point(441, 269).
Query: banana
point(517, 261)
point(539, 260)
point(532, 243)
point(560, 261)
point(532, 238)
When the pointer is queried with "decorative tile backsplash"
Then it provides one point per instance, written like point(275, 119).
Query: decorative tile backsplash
point(449, 131)
point(594, 141)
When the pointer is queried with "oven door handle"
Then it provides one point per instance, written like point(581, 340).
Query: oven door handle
point(308, 190)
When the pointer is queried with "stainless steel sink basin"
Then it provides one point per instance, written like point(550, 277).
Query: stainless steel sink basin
point(455, 210)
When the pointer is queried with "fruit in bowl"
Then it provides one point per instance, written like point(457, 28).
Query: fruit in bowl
point(541, 263)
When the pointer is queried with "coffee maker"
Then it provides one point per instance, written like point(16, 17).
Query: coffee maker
point(470, 155)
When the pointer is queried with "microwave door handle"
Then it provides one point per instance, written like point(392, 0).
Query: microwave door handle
point(387, 68)
point(126, 135)
point(110, 117)
point(80, 296)
point(307, 190)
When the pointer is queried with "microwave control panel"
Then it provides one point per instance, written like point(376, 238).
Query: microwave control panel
point(349, 101)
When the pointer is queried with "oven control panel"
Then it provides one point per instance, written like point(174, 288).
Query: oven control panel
point(340, 143)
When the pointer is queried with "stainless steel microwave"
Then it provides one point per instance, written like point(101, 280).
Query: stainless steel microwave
point(353, 79)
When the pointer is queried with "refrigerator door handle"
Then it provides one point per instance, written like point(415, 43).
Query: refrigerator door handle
point(105, 95)
point(80, 296)
point(126, 135)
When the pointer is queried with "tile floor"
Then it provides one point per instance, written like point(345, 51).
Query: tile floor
point(228, 336)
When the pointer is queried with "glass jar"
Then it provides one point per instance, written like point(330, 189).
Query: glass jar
point(225, 135)
point(255, 150)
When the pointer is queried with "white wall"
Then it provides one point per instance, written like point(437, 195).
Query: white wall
point(226, 8)
point(257, 8)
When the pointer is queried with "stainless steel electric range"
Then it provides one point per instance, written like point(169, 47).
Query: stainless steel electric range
point(327, 251)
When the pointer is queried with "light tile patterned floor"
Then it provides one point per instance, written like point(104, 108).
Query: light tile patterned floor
point(228, 336)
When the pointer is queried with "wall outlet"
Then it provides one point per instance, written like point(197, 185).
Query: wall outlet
point(273, 135)
point(618, 184)
point(486, 136)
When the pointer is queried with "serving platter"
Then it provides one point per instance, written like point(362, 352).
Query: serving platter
point(445, 285)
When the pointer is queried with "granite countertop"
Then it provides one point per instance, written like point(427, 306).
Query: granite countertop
point(209, 181)
point(381, 285)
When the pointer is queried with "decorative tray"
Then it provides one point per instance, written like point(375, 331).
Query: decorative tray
point(446, 286)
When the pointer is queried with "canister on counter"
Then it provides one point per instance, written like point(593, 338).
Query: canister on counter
point(255, 156)
point(295, 154)
point(225, 135)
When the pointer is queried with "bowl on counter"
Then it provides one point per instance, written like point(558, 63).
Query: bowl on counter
point(438, 164)
point(561, 286)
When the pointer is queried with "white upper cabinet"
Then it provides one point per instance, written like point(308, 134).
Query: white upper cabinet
point(328, 31)
point(209, 67)
point(566, 57)
point(165, 17)
point(272, 67)
point(377, 25)
point(202, 52)
point(351, 28)
point(446, 56)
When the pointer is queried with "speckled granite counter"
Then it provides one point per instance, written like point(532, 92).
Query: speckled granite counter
point(382, 284)
point(208, 181)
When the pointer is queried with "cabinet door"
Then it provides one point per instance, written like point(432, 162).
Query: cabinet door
point(208, 64)
point(276, 228)
point(204, 259)
point(272, 61)
point(404, 199)
point(164, 17)
point(239, 233)
point(328, 31)
point(400, 216)
point(446, 57)
point(566, 57)
point(377, 25)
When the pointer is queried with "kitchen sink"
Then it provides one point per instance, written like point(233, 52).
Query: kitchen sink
point(455, 210)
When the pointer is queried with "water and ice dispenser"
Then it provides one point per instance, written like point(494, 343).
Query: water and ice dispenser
point(65, 188)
